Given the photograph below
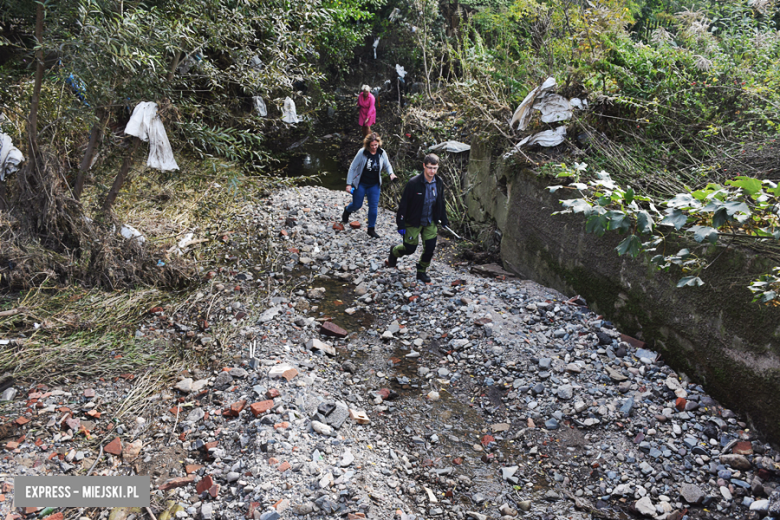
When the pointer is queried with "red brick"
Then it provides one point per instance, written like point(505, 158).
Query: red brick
point(252, 507)
point(281, 426)
point(204, 484)
point(487, 439)
point(272, 393)
point(331, 329)
point(289, 375)
point(56, 516)
point(176, 483)
point(11, 445)
point(284, 466)
point(114, 447)
point(680, 404)
point(214, 491)
point(261, 407)
point(192, 468)
point(338, 226)
point(743, 448)
point(354, 224)
point(21, 421)
point(234, 409)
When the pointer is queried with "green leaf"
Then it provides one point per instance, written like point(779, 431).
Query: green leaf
point(631, 245)
point(734, 206)
point(676, 218)
point(700, 233)
point(657, 259)
point(690, 281)
point(682, 200)
point(719, 218)
point(749, 184)
point(644, 222)
point(576, 205)
point(617, 221)
point(596, 224)
point(629, 196)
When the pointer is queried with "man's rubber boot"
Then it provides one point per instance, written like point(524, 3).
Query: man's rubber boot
point(372, 233)
point(391, 261)
point(423, 276)
point(345, 216)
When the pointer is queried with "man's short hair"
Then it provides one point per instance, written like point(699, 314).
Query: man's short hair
point(431, 158)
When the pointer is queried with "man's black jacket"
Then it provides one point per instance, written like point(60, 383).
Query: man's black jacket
point(411, 206)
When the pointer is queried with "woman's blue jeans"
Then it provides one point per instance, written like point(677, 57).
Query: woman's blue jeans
point(358, 194)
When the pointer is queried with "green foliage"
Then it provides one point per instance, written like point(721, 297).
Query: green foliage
point(743, 207)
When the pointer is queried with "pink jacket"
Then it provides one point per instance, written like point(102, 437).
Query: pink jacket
point(367, 109)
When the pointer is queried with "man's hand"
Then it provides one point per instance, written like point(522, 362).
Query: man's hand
point(349, 190)
point(393, 176)
point(402, 231)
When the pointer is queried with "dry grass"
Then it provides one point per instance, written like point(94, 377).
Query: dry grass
point(59, 331)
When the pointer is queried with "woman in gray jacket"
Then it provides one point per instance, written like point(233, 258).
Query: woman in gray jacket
point(365, 179)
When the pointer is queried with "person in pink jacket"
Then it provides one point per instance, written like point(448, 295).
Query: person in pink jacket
point(367, 105)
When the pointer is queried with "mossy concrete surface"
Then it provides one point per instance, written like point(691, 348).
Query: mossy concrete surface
point(713, 333)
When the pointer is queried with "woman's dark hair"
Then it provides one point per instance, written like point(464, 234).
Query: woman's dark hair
point(370, 138)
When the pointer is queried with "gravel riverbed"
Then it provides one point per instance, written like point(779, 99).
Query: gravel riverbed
point(356, 392)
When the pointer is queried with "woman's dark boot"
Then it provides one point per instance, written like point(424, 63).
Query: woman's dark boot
point(372, 233)
point(345, 216)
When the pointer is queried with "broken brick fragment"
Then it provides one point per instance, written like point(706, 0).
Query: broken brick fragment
point(114, 447)
point(176, 483)
point(261, 407)
point(331, 329)
point(204, 484)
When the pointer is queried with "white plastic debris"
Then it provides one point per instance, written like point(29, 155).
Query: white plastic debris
point(376, 44)
point(580, 104)
point(260, 106)
point(10, 157)
point(400, 70)
point(554, 108)
point(147, 126)
point(547, 138)
point(523, 112)
point(288, 111)
point(130, 233)
point(450, 146)
point(395, 15)
point(255, 62)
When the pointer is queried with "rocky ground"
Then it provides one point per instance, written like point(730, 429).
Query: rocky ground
point(356, 392)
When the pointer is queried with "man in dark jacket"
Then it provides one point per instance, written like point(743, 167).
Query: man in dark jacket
point(421, 208)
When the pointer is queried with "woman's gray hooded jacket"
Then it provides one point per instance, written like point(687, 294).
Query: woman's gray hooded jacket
point(359, 162)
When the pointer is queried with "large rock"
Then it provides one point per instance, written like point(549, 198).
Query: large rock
point(692, 494)
point(736, 461)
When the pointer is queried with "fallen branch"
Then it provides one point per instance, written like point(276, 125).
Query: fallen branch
point(12, 312)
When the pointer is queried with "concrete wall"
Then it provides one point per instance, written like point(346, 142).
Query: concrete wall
point(712, 333)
